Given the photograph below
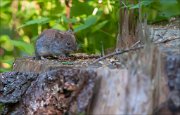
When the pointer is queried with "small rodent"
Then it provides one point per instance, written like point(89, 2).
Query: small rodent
point(53, 42)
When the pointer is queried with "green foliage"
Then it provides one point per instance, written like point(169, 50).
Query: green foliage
point(90, 20)
point(159, 10)
point(9, 45)
point(95, 23)
point(36, 21)
point(156, 10)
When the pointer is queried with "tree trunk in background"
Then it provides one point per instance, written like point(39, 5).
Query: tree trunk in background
point(68, 11)
point(127, 26)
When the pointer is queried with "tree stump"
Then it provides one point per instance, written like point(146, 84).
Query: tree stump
point(148, 84)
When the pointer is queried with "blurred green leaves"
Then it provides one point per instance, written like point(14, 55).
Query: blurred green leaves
point(35, 21)
point(161, 10)
point(6, 43)
point(142, 3)
point(9, 45)
point(156, 10)
point(100, 25)
point(90, 20)
point(27, 48)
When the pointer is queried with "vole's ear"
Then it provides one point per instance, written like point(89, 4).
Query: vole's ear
point(59, 35)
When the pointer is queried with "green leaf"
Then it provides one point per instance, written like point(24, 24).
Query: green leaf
point(66, 20)
point(4, 70)
point(36, 21)
point(28, 48)
point(168, 1)
point(5, 42)
point(143, 3)
point(8, 59)
point(99, 26)
point(88, 22)
point(67, 63)
point(78, 8)
point(169, 8)
point(4, 2)
point(80, 27)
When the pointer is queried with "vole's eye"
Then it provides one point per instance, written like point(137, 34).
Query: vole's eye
point(68, 43)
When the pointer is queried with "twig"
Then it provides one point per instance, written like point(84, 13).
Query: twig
point(117, 53)
point(124, 4)
point(135, 44)
point(166, 30)
point(131, 49)
point(167, 40)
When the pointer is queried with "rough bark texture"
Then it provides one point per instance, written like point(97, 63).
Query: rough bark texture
point(57, 89)
point(67, 90)
point(53, 92)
